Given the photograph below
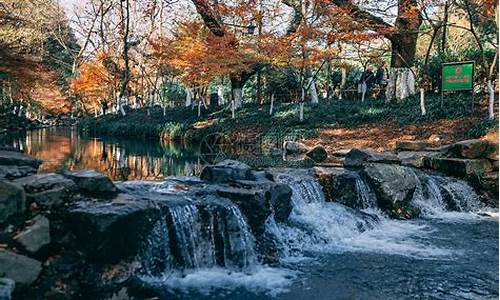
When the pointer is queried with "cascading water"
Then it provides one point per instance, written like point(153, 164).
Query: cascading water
point(207, 244)
point(435, 195)
point(201, 244)
point(315, 224)
point(365, 194)
point(192, 238)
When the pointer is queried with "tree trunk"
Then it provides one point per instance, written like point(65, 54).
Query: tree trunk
point(404, 47)
point(343, 81)
point(189, 97)
point(272, 105)
point(313, 93)
point(401, 84)
point(126, 70)
point(237, 91)
point(220, 93)
point(491, 102)
point(422, 102)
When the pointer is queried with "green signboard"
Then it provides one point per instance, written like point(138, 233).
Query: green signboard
point(458, 76)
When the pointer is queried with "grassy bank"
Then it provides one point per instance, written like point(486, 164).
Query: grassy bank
point(254, 120)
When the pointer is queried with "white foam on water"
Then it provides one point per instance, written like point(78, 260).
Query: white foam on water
point(405, 238)
point(319, 226)
point(261, 279)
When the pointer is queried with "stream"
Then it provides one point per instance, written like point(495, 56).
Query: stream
point(326, 250)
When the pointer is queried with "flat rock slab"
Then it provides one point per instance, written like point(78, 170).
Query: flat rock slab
point(458, 167)
point(47, 190)
point(92, 182)
point(415, 158)
point(357, 157)
point(43, 182)
point(36, 235)
point(12, 200)
point(226, 171)
point(14, 172)
point(473, 149)
point(412, 145)
point(20, 268)
point(13, 158)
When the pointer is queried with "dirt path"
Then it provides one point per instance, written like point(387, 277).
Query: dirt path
point(383, 136)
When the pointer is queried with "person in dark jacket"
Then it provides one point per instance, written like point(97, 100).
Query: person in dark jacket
point(366, 83)
point(382, 79)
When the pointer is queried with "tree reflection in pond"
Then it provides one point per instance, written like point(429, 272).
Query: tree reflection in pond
point(120, 159)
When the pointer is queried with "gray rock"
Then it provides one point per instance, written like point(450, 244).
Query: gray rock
point(20, 268)
point(317, 153)
point(43, 182)
point(226, 171)
point(12, 200)
point(415, 158)
point(14, 172)
point(412, 145)
point(291, 147)
point(13, 158)
point(35, 236)
point(339, 185)
point(458, 167)
point(109, 232)
point(90, 181)
point(394, 187)
point(7, 287)
point(47, 190)
point(357, 157)
point(263, 176)
point(472, 149)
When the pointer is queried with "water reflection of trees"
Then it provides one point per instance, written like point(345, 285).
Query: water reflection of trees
point(64, 148)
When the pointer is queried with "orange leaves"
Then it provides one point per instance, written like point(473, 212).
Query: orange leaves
point(96, 80)
point(200, 57)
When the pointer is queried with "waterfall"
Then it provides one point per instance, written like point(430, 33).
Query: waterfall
point(315, 224)
point(435, 195)
point(365, 194)
point(305, 189)
point(195, 236)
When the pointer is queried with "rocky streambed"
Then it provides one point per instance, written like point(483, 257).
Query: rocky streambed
point(78, 235)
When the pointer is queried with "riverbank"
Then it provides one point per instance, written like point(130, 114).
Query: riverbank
point(338, 125)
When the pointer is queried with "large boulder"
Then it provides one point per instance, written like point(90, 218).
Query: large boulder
point(317, 153)
point(47, 190)
point(472, 149)
point(458, 167)
point(394, 187)
point(7, 286)
point(21, 269)
point(13, 158)
point(341, 185)
point(36, 235)
point(92, 182)
point(109, 232)
point(227, 171)
point(412, 145)
point(12, 200)
point(357, 157)
point(291, 147)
